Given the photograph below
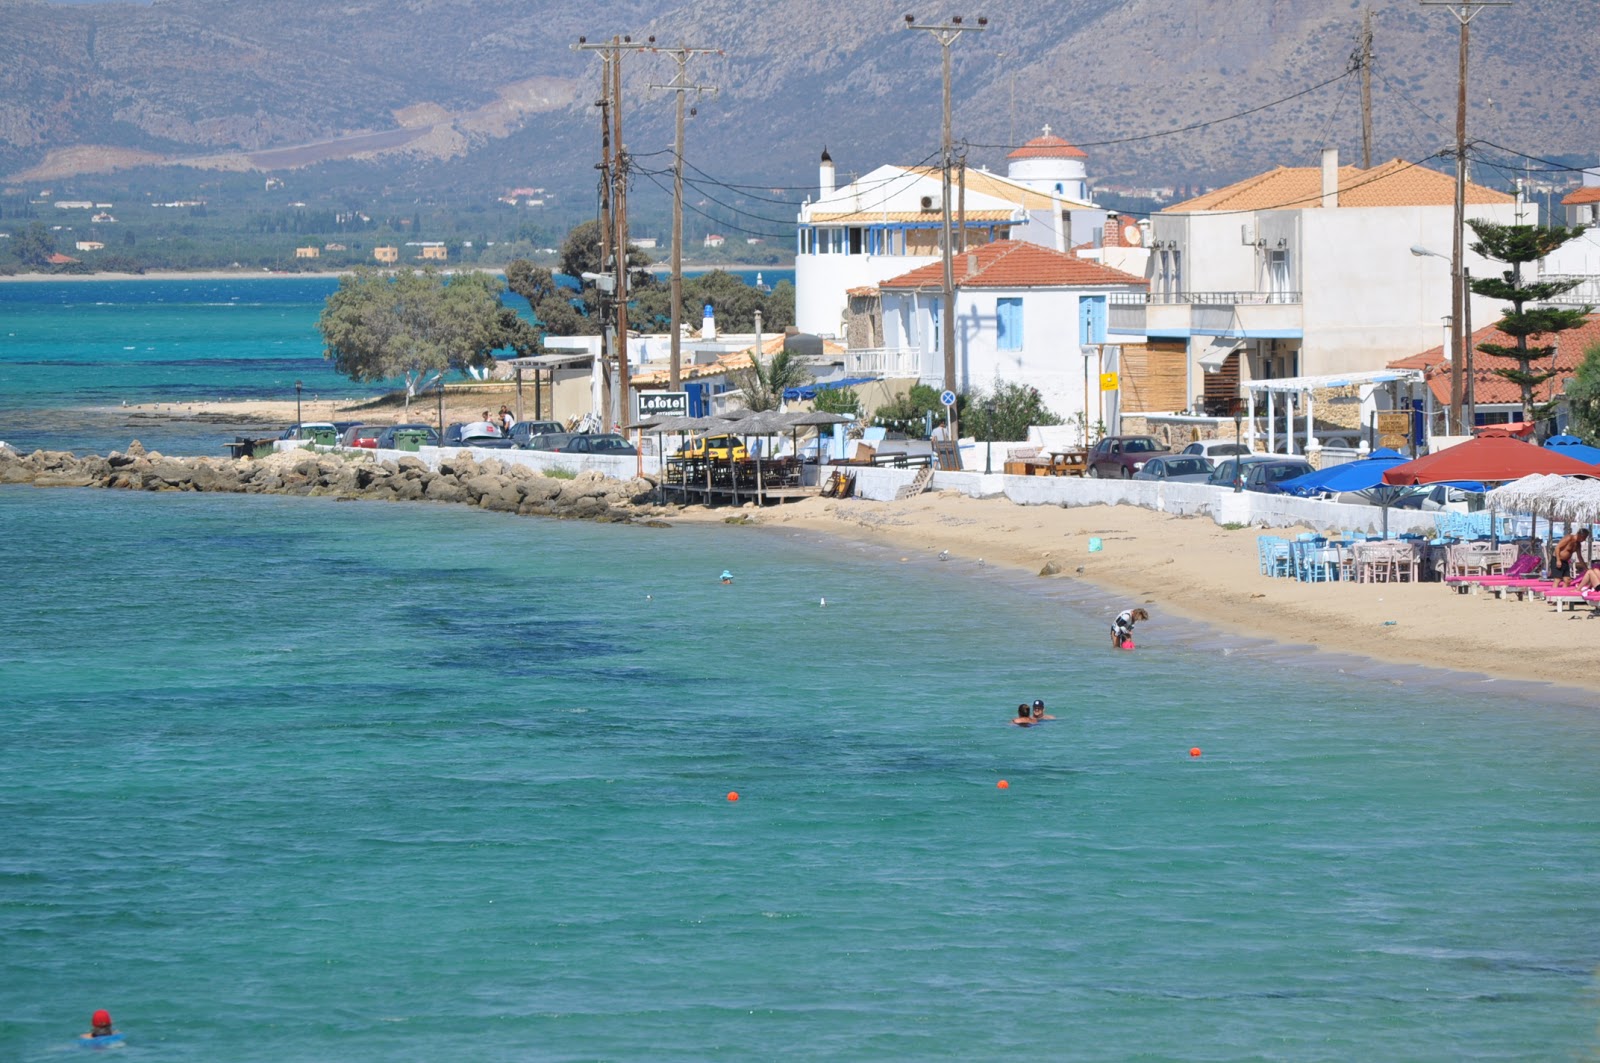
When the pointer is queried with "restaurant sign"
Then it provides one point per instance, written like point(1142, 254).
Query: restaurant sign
point(663, 404)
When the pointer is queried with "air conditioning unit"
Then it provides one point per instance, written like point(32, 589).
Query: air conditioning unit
point(1247, 235)
point(931, 203)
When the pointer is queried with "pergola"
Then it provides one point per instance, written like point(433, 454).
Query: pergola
point(538, 363)
point(1295, 385)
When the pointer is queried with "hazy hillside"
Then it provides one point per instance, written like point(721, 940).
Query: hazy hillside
point(482, 93)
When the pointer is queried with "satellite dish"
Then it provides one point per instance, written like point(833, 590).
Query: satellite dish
point(1132, 235)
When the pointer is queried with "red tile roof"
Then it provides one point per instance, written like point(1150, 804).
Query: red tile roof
point(1392, 184)
point(1011, 264)
point(1586, 194)
point(1048, 147)
point(1489, 389)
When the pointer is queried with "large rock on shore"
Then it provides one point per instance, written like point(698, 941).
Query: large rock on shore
point(491, 484)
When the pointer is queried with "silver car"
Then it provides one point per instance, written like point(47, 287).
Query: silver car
point(1176, 468)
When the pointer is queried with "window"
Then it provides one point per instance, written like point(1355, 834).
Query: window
point(1092, 319)
point(1278, 276)
point(936, 315)
point(1008, 324)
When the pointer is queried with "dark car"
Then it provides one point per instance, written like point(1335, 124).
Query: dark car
point(477, 434)
point(1265, 476)
point(407, 437)
point(548, 441)
point(1229, 469)
point(522, 430)
point(1176, 468)
point(598, 443)
point(1122, 456)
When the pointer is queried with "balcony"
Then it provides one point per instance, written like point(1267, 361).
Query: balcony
point(883, 362)
point(1181, 313)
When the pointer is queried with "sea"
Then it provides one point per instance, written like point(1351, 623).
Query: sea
point(295, 779)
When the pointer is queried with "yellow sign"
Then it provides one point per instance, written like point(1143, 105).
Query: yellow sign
point(1108, 382)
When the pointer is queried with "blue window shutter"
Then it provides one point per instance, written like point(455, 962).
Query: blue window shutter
point(1008, 324)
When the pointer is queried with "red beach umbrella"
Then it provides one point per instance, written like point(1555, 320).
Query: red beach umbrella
point(1488, 459)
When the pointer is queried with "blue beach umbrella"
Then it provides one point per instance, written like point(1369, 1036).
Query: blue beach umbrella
point(1352, 476)
point(1573, 447)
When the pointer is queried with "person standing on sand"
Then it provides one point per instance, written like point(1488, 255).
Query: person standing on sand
point(1568, 548)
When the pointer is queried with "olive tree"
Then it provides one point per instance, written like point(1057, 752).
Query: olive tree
point(409, 324)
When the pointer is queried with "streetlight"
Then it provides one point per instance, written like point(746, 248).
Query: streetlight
point(299, 423)
point(1238, 422)
point(1460, 342)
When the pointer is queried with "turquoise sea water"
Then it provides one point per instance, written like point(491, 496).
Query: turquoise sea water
point(295, 780)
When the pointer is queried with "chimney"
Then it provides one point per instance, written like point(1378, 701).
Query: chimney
point(1330, 177)
point(825, 175)
point(972, 263)
point(1113, 232)
point(708, 328)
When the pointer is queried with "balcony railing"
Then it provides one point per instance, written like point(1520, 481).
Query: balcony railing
point(1587, 293)
point(1203, 298)
point(883, 362)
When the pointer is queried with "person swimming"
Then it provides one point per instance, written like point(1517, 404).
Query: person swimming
point(726, 577)
point(1039, 715)
point(99, 1027)
point(1024, 716)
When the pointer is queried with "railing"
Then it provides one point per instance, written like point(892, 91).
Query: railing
point(883, 362)
point(1203, 298)
point(1587, 293)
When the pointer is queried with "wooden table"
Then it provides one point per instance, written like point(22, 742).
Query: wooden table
point(1068, 462)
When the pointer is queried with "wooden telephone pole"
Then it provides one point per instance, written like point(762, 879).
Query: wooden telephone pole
point(681, 86)
point(947, 33)
point(1464, 11)
point(1364, 57)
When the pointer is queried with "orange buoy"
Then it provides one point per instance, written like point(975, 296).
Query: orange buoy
point(1194, 751)
point(733, 795)
point(1002, 785)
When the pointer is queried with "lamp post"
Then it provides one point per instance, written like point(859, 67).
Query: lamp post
point(1460, 338)
point(1238, 424)
point(299, 422)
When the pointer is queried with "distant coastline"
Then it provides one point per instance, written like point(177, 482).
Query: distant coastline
point(244, 274)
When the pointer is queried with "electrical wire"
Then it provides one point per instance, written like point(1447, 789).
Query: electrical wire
point(726, 206)
point(718, 221)
point(1554, 167)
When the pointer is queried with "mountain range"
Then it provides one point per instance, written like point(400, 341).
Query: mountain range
point(490, 94)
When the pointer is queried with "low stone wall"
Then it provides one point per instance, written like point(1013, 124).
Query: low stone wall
point(1220, 504)
point(461, 477)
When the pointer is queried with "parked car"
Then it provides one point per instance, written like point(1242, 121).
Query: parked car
point(1176, 468)
point(522, 430)
point(1435, 499)
point(1216, 449)
point(716, 448)
point(477, 434)
point(598, 443)
point(1227, 470)
point(548, 441)
point(1122, 456)
point(407, 437)
point(361, 435)
point(1265, 476)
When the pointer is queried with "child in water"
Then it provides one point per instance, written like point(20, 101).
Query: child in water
point(1122, 626)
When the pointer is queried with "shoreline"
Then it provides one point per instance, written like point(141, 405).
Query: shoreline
point(1207, 575)
point(262, 274)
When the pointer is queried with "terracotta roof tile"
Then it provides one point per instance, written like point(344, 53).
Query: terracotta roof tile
point(1010, 264)
point(1587, 194)
point(1393, 184)
point(1489, 389)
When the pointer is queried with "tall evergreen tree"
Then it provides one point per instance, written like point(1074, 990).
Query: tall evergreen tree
point(1516, 245)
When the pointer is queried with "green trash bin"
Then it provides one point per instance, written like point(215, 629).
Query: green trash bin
point(324, 437)
point(411, 440)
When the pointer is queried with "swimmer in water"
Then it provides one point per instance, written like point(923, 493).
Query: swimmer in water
point(99, 1026)
point(1039, 714)
point(727, 577)
point(1024, 716)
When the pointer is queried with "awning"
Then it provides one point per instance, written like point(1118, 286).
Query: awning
point(1217, 354)
point(809, 391)
point(546, 361)
point(1339, 380)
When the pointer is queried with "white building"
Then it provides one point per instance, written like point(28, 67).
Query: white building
point(1578, 259)
point(1024, 314)
point(891, 221)
point(1301, 271)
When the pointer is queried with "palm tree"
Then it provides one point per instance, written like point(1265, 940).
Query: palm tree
point(764, 384)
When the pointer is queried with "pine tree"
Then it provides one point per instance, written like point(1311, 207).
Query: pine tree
point(1516, 245)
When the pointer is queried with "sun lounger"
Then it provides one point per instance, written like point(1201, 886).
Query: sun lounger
point(1562, 597)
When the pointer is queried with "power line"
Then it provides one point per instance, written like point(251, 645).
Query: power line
point(651, 175)
point(1555, 167)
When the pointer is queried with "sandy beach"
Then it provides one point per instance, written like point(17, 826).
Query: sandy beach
point(463, 402)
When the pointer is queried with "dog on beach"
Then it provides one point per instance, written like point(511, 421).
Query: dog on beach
point(1122, 626)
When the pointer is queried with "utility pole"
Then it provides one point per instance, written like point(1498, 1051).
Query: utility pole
point(1366, 89)
point(1464, 11)
point(610, 167)
point(681, 86)
point(947, 33)
point(619, 245)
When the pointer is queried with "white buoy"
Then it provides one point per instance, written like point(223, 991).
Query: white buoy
point(823, 602)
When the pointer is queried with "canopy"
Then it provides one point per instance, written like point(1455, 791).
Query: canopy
point(1351, 476)
point(809, 391)
point(816, 417)
point(1573, 447)
point(1491, 459)
point(1557, 497)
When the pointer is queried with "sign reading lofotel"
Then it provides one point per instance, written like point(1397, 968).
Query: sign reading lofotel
point(663, 404)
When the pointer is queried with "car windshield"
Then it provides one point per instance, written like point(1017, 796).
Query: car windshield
point(1278, 473)
point(1141, 445)
point(1231, 448)
point(608, 443)
point(1186, 466)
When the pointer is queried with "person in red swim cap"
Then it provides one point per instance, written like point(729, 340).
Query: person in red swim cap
point(100, 1025)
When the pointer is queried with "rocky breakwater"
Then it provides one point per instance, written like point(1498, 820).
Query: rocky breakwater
point(461, 479)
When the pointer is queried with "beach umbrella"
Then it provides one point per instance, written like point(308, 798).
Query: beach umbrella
point(813, 419)
point(1491, 459)
point(1351, 476)
point(1573, 447)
